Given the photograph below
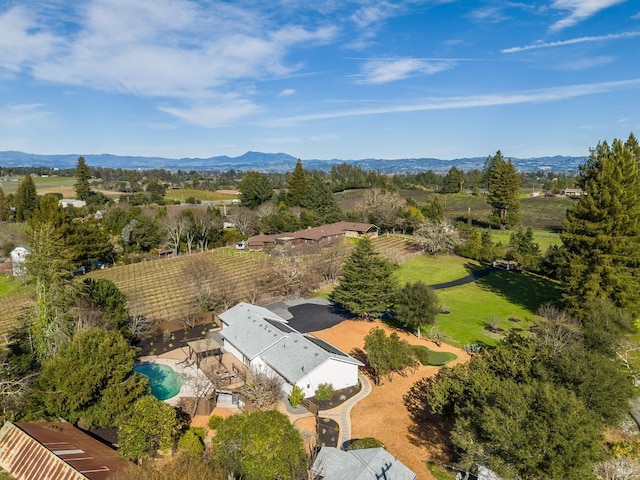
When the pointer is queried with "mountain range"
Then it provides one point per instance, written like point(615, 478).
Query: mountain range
point(281, 162)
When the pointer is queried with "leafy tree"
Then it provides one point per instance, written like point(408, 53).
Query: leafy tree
point(416, 305)
point(192, 442)
point(152, 426)
point(26, 199)
point(434, 210)
point(49, 262)
point(453, 181)
point(156, 191)
point(366, 285)
point(260, 445)
point(387, 355)
point(91, 379)
point(255, 189)
point(5, 209)
point(297, 186)
point(601, 232)
point(82, 185)
point(318, 198)
point(109, 299)
point(524, 249)
point(504, 191)
point(604, 324)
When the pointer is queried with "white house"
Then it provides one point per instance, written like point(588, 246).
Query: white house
point(262, 340)
point(65, 202)
point(18, 257)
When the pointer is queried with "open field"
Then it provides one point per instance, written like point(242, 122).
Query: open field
point(181, 194)
point(498, 299)
point(44, 185)
point(543, 238)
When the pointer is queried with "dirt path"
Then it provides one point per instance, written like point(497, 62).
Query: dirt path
point(382, 413)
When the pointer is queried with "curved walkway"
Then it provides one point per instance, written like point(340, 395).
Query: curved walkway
point(342, 413)
point(464, 280)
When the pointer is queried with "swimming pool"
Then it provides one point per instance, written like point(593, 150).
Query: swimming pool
point(165, 383)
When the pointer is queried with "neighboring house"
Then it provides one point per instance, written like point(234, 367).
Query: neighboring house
point(365, 464)
point(65, 202)
point(18, 258)
point(55, 451)
point(314, 236)
point(573, 192)
point(263, 341)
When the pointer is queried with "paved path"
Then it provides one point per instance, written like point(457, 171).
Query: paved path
point(468, 279)
point(342, 413)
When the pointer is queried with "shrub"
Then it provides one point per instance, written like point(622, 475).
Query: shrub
point(214, 422)
point(192, 442)
point(296, 396)
point(422, 353)
point(324, 392)
point(367, 442)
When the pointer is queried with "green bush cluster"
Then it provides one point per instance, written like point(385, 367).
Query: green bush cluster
point(367, 442)
point(296, 396)
point(214, 422)
point(324, 391)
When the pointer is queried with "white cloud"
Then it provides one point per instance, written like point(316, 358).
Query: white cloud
point(287, 92)
point(21, 40)
point(579, 10)
point(18, 116)
point(213, 115)
point(154, 48)
point(381, 71)
point(572, 41)
point(553, 94)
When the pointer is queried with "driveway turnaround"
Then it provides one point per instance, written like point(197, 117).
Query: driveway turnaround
point(310, 315)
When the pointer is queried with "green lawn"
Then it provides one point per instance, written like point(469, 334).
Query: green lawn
point(43, 184)
point(543, 238)
point(501, 296)
point(436, 269)
point(426, 356)
point(10, 286)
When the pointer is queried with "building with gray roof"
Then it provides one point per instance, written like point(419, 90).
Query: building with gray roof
point(365, 464)
point(262, 340)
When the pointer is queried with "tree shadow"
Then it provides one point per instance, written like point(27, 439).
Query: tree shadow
point(521, 288)
point(428, 431)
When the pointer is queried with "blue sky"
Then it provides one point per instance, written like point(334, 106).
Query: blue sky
point(322, 79)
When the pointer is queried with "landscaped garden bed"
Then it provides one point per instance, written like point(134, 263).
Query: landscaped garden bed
point(338, 397)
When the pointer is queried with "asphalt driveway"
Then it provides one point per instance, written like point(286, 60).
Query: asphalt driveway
point(310, 315)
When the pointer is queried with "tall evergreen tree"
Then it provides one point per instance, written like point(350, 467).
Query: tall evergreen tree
point(5, 209)
point(297, 185)
point(26, 199)
point(366, 287)
point(82, 186)
point(601, 232)
point(453, 181)
point(319, 199)
point(255, 189)
point(504, 191)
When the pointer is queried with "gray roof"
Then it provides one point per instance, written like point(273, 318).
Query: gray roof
point(245, 311)
point(366, 464)
point(287, 351)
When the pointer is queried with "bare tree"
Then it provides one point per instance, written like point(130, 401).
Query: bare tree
point(245, 221)
point(13, 387)
point(626, 349)
point(618, 469)
point(289, 272)
point(174, 225)
point(139, 324)
point(382, 207)
point(332, 261)
point(558, 329)
point(262, 388)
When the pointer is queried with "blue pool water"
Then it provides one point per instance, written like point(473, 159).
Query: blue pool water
point(164, 382)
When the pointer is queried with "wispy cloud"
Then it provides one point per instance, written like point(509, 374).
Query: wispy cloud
point(17, 116)
point(572, 41)
point(512, 98)
point(287, 92)
point(579, 10)
point(381, 71)
point(219, 114)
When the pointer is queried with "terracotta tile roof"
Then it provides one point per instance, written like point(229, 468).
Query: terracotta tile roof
point(55, 451)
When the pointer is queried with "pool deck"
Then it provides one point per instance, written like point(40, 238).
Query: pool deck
point(196, 385)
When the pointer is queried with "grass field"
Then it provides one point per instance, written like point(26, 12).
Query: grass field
point(44, 185)
point(495, 300)
point(182, 194)
point(543, 238)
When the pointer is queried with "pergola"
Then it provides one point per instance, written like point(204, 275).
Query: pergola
point(205, 347)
